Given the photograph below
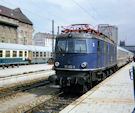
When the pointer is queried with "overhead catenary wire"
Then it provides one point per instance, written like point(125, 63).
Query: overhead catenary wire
point(83, 9)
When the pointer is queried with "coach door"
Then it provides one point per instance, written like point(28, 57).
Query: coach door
point(29, 56)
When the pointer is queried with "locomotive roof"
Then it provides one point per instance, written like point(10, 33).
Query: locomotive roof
point(23, 47)
point(85, 35)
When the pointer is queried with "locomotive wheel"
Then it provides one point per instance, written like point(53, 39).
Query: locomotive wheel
point(111, 72)
point(84, 88)
point(107, 73)
point(104, 76)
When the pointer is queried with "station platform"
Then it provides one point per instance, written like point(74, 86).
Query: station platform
point(12, 77)
point(24, 69)
point(113, 95)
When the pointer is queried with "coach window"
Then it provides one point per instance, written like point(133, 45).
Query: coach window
point(20, 53)
point(25, 53)
point(44, 54)
point(41, 54)
point(51, 54)
point(36, 54)
point(14, 53)
point(7, 53)
point(1, 52)
point(33, 54)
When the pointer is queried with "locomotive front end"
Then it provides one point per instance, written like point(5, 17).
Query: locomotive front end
point(71, 60)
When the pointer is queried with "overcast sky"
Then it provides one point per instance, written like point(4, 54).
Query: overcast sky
point(65, 12)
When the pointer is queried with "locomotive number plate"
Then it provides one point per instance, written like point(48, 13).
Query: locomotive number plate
point(69, 66)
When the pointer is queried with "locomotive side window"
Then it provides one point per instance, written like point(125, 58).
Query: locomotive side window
point(1, 53)
point(7, 53)
point(80, 46)
point(61, 46)
point(14, 53)
point(20, 53)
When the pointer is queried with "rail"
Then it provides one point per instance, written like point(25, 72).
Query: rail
point(11, 91)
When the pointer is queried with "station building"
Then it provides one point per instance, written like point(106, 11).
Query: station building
point(15, 27)
point(44, 39)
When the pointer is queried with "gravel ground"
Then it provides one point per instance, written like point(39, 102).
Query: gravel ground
point(19, 102)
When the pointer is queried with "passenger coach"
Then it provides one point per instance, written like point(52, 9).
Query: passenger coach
point(16, 54)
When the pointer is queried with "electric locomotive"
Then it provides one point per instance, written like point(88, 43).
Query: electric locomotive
point(83, 56)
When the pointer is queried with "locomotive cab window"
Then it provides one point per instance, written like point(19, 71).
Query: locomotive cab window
point(80, 46)
point(1, 53)
point(61, 46)
point(70, 47)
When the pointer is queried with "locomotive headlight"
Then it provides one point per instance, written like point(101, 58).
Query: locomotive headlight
point(57, 64)
point(84, 64)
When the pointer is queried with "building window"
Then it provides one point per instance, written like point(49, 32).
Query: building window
point(7, 53)
point(14, 53)
point(1, 53)
point(20, 53)
point(3, 40)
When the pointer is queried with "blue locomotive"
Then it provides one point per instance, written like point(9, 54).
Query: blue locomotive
point(83, 57)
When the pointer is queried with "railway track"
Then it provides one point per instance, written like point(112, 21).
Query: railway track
point(11, 91)
point(25, 73)
point(54, 104)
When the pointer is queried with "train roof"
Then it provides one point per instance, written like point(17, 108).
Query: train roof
point(38, 48)
point(12, 46)
point(24, 47)
point(123, 49)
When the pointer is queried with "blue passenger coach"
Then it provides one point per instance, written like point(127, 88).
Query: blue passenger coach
point(16, 54)
point(83, 56)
